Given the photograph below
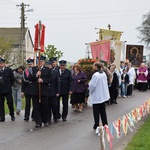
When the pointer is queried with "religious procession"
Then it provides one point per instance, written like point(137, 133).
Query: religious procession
point(49, 86)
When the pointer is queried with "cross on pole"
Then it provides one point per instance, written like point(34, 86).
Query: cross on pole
point(87, 50)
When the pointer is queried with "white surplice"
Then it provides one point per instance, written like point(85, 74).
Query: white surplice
point(98, 88)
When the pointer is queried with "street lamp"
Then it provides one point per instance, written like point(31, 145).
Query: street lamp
point(29, 10)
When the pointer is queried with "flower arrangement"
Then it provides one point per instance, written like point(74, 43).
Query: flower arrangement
point(86, 65)
point(87, 61)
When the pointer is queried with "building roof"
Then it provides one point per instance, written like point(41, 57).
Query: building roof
point(12, 34)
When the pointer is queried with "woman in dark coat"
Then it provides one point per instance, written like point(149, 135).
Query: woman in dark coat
point(78, 87)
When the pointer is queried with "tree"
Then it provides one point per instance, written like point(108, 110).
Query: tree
point(5, 48)
point(144, 30)
point(51, 51)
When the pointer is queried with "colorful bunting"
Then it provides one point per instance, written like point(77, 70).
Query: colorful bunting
point(111, 128)
point(131, 120)
point(108, 135)
point(127, 122)
point(117, 125)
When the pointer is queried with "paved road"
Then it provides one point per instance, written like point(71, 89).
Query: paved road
point(74, 134)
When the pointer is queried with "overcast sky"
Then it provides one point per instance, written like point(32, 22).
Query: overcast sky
point(71, 23)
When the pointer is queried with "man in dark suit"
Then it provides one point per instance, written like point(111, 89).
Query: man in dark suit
point(6, 82)
point(65, 88)
point(54, 63)
point(40, 77)
point(54, 91)
point(26, 89)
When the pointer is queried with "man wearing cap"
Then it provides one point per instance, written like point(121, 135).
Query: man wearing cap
point(40, 77)
point(26, 89)
point(54, 63)
point(65, 88)
point(54, 91)
point(6, 82)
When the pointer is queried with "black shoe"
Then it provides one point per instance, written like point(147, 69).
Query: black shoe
point(94, 127)
point(12, 118)
point(115, 103)
point(64, 119)
point(55, 120)
point(38, 125)
point(25, 119)
point(2, 120)
point(46, 124)
point(33, 119)
point(59, 116)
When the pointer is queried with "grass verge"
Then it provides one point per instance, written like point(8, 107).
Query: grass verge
point(140, 140)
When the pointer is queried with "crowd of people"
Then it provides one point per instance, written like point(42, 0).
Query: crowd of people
point(127, 78)
point(50, 83)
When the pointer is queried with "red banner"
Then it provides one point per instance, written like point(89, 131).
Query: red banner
point(101, 50)
point(39, 33)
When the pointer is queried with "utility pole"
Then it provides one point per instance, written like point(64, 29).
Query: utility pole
point(23, 50)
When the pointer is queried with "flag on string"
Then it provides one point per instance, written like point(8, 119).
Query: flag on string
point(135, 115)
point(117, 125)
point(131, 120)
point(108, 135)
point(125, 124)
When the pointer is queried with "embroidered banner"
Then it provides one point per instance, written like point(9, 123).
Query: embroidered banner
point(101, 50)
point(39, 38)
point(116, 51)
point(105, 34)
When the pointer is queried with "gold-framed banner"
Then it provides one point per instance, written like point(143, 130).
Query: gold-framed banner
point(105, 34)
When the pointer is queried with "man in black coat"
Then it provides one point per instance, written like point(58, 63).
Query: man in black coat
point(54, 63)
point(40, 78)
point(65, 88)
point(26, 90)
point(54, 91)
point(6, 82)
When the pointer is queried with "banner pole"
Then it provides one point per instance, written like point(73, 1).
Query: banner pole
point(39, 49)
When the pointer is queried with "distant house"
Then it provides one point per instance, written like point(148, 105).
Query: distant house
point(20, 50)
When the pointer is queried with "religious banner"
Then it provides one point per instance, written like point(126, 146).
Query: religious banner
point(39, 38)
point(105, 34)
point(101, 50)
point(116, 52)
point(134, 54)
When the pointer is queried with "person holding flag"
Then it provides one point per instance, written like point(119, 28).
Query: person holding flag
point(40, 75)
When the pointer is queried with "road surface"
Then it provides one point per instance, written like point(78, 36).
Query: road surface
point(75, 134)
